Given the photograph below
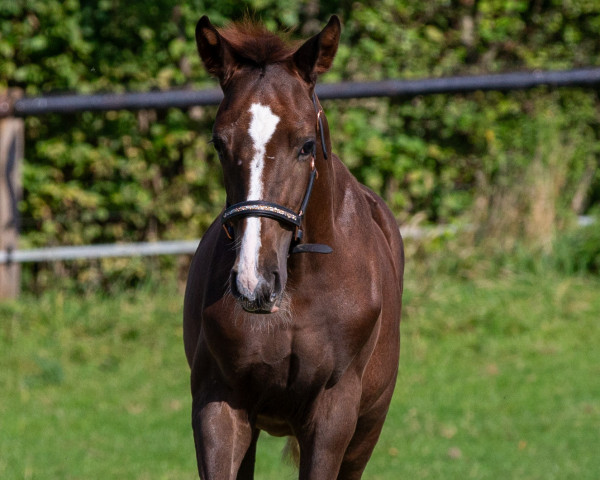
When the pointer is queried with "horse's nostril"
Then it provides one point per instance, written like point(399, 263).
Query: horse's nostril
point(233, 284)
point(275, 286)
point(276, 281)
point(266, 293)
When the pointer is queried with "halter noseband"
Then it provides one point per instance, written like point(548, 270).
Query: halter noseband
point(261, 208)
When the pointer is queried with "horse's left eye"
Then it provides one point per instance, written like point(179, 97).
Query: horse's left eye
point(307, 148)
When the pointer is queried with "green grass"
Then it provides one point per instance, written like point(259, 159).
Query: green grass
point(499, 378)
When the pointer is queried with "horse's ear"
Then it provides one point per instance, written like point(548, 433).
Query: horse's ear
point(212, 47)
point(316, 55)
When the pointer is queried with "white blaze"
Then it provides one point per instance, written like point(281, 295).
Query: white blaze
point(262, 128)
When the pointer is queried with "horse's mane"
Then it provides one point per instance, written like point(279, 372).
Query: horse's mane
point(253, 43)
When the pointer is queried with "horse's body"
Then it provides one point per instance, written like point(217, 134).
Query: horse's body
point(301, 344)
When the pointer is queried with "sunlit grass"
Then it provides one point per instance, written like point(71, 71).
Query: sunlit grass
point(498, 379)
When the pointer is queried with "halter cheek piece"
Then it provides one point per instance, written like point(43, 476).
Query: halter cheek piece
point(261, 208)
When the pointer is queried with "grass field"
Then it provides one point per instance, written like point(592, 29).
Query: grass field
point(499, 378)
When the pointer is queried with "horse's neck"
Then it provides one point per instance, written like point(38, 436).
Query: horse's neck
point(325, 200)
point(329, 190)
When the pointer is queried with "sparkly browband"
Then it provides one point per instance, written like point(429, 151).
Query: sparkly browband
point(258, 208)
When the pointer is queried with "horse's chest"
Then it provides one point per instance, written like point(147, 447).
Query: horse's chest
point(274, 362)
point(310, 352)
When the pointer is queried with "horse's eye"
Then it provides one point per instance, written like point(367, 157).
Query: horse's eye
point(307, 149)
point(218, 144)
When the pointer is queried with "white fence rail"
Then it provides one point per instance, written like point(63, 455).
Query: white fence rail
point(175, 247)
point(53, 254)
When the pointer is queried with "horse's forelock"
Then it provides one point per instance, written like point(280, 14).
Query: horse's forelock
point(252, 42)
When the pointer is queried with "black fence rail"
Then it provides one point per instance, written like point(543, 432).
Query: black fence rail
point(589, 77)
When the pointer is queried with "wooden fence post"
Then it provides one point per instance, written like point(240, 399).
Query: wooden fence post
point(11, 157)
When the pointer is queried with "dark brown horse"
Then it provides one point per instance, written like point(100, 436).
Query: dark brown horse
point(292, 307)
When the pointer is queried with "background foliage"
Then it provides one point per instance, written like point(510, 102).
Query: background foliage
point(497, 354)
point(518, 163)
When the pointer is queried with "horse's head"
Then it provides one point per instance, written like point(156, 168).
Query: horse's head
point(266, 135)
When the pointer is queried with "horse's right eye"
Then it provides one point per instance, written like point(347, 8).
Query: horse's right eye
point(218, 144)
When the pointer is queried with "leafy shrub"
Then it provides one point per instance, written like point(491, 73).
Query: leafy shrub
point(130, 176)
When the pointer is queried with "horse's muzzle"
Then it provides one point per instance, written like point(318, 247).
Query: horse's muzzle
point(265, 297)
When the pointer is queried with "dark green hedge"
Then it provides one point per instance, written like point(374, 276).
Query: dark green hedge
point(125, 176)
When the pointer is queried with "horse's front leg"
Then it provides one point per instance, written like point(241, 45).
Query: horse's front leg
point(224, 438)
point(325, 436)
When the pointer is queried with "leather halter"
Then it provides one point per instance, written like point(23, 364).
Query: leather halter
point(262, 208)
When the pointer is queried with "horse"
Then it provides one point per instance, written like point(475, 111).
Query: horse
point(293, 301)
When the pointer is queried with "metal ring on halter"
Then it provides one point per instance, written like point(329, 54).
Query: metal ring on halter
point(320, 125)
